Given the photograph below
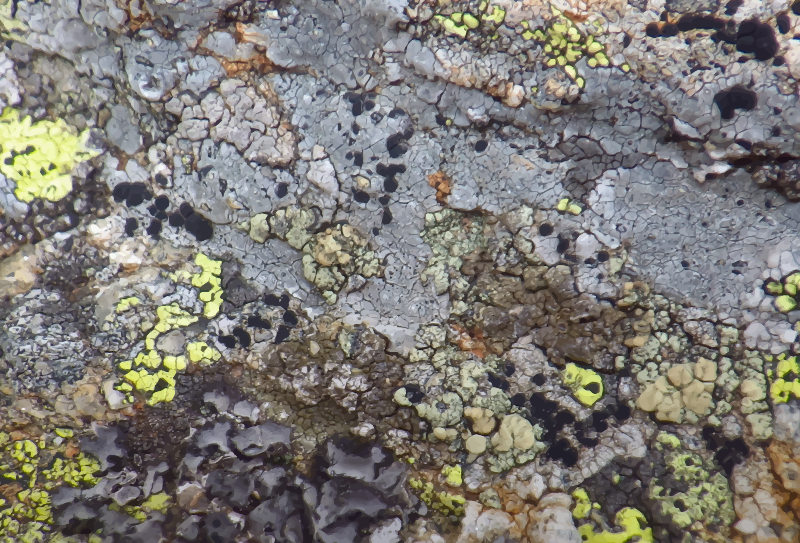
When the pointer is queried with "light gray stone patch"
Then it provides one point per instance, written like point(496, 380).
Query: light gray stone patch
point(192, 15)
point(104, 14)
point(122, 131)
point(9, 83)
point(58, 28)
point(12, 207)
point(199, 73)
point(153, 64)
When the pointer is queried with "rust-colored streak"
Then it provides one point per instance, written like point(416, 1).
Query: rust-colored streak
point(441, 184)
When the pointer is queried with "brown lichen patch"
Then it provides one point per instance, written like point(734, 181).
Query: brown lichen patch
point(786, 468)
point(441, 184)
point(471, 341)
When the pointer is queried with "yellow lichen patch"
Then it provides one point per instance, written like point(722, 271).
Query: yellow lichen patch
point(29, 472)
point(202, 353)
point(784, 387)
point(39, 157)
point(452, 475)
point(630, 520)
point(127, 303)
point(210, 284)
point(586, 384)
point(160, 386)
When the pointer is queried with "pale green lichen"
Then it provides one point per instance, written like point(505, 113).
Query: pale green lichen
point(39, 157)
point(707, 498)
point(451, 236)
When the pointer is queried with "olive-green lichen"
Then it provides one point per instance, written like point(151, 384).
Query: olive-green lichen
point(39, 157)
point(698, 495)
point(30, 470)
point(443, 501)
point(486, 17)
point(565, 44)
point(451, 236)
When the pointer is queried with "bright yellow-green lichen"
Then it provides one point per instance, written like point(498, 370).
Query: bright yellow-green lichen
point(37, 468)
point(586, 384)
point(452, 475)
point(127, 303)
point(39, 157)
point(211, 282)
point(583, 505)
point(566, 205)
point(444, 502)
point(630, 520)
point(783, 387)
point(459, 24)
point(564, 44)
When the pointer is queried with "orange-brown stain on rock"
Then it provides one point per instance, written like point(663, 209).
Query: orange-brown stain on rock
point(441, 184)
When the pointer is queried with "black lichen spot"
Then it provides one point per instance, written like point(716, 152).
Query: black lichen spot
point(176, 220)
point(481, 146)
point(538, 379)
point(509, 369)
point(652, 30)
point(394, 144)
point(585, 441)
point(396, 112)
point(154, 230)
point(282, 334)
point(388, 173)
point(355, 128)
point(358, 159)
point(561, 450)
point(281, 189)
point(161, 179)
point(796, 7)
point(356, 101)
point(669, 30)
point(369, 105)
point(228, 341)
point(563, 246)
point(387, 216)
point(290, 318)
point(519, 400)
point(242, 335)
point(137, 195)
point(545, 229)
point(273, 300)
point(361, 197)
point(599, 420)
point(737, 97)
point(199, 227)
point(690, 22)
point(254, 321)
point(131, 225)
point(685, 264)
point(564, 418)
point(626, 41)
point(384, 200)
point(441, 120)
point(121, 192)
point(623, 412)
point(732, 453)
point(152, 210)
point(783, 23)
point(757, 38)
point(732, 6)
point(778, 61)
point(162, 216)
point(161, 203)
point(497, 382)
point(186, 210)
point(414, 394)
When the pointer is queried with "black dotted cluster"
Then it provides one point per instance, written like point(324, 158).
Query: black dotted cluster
point(361, 102)
point(729, 452)
point(135, 194)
